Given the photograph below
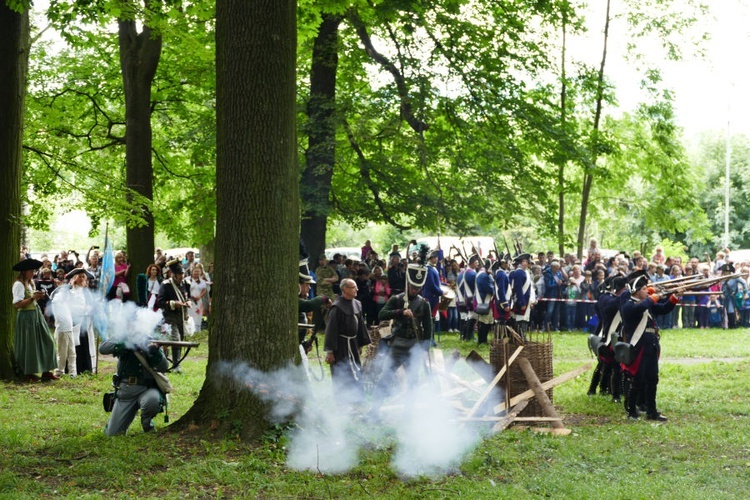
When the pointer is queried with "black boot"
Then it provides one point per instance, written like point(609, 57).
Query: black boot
point(630, 400)
point(597, 375)
point(616, 383)
point(650, 396)
point(482, 333)
point(470, 329)
point(604, 387)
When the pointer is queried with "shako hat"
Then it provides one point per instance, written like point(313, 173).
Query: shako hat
point(416, 274)
point(27, 265)
point(304, 268)
point(637, 280)
point(175, 266)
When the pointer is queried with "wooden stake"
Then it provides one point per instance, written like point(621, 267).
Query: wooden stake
point(547, 407)
point(526, 395)
point(497, 378)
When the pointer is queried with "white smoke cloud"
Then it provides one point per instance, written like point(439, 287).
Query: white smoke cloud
point(333, 427)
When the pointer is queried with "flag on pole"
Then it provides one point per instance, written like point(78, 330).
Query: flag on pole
point(108, 266)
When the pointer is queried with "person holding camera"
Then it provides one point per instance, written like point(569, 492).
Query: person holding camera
point(136, 388)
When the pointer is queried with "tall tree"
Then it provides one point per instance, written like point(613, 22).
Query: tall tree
point(14, 60)
point(139, 58)
point(320, 155)
point(257, 209)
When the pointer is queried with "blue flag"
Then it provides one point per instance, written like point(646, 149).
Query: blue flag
point(108, 268)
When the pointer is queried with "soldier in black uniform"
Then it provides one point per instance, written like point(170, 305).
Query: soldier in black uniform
point(411, 332)
point(173, 301)
point(639, 351)
point(136, 387)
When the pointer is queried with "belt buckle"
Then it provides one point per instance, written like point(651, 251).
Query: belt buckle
point(132, 380)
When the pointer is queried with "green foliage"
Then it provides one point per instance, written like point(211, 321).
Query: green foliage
point(76, 125)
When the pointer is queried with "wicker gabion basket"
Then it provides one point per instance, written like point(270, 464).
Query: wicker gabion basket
point(538, 350)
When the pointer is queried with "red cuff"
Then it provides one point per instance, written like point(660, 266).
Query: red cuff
point(674, 299)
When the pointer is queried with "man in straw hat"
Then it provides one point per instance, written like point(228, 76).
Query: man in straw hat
point(639, 351)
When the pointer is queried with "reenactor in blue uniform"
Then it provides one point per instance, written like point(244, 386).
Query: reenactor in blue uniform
point(484, 296)
point(524, 295)
point(639, 350)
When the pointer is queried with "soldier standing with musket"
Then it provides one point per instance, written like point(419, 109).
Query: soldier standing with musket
point(411, 332)
point(608, 371)
point(524, 295)
point(639, 351)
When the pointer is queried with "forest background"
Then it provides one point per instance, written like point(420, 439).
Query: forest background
point(454, 117)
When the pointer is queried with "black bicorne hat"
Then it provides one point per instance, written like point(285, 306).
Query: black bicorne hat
point(27, 265)
point(637, 280)
point(175, 266)
point(727, 268)
point(79, 270)
point(522, 257)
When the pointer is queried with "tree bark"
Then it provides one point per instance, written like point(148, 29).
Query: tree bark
point(139, 58)
point(257, 231)
point(320, 156)
point(588, 176)
point(14, 63)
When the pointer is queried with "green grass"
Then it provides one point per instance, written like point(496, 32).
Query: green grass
point(53, 445)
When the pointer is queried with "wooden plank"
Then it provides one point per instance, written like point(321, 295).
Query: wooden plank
point(510, 417)
point(528, 394)
point(537, 419)
point(544, 401)
point(455, 378)
point(495, 380)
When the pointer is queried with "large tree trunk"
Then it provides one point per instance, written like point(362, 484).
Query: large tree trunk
point(257, 231)
point(14, 63)
point(315, 185)
point(139, 57)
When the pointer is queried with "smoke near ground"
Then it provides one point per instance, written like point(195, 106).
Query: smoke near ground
point(331, 429)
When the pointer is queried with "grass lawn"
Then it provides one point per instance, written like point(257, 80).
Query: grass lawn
point(53, 445)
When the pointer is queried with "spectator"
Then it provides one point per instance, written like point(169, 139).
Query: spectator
point(553, 285)
point(34, 347)
point(198, 289)
point(121, 275)
point(366, 249)
point(658, 257)
point(381, 292)
point(153, 275)
point(326, 277)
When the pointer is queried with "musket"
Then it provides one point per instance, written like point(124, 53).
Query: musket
point(174, 343)
point(703, 283)
point(510, 255)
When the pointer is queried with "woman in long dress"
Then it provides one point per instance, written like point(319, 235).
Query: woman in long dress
point(198, 289)
point(34, 347)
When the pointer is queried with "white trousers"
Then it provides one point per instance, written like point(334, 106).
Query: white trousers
point(66, 353)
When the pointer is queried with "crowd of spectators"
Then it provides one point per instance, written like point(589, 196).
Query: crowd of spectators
point(53, 273)
point(566, 287)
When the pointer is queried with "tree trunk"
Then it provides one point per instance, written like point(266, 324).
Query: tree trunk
point(588, 176)
point(14, 62)
point(320, 156)
point(562, 159)
point(257, 231)
point(139, 57)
